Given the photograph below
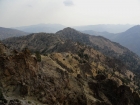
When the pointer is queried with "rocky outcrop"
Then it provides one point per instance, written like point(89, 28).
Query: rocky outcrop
point(18, 72)
point(3, 49)
point(22, 75)
point(108, 91)
point(65, 78)
point(15, 102)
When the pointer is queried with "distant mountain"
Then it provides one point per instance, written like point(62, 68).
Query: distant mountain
point(130, 39)
point(8, 32)
point(48, 28)
point(104, 34)
point(105, 27)
point(52, 42)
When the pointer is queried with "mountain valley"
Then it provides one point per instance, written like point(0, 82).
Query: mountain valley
point(67, 68)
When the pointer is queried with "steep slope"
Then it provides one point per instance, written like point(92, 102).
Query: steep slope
point(82, 76)
point(3, 49)
point(130, 39)
point(50, 42)
point(8, 32)
point(101, 42)
point(49, 28)
point(35, 42)
point(103, 45)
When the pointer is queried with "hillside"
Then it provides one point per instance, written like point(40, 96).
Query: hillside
point(50, 42)
point(72, 75)
point(130, 39)
point(94, 41)
point(48, 28)
point(103, 45)
point(8, 32)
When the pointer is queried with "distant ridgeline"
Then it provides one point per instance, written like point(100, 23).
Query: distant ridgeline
point(67, 67)
point(8, 32)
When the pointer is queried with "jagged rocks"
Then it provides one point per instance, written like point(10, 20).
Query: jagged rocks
point(3, 101)
point(18, 72)
point(3, 49)
point(14, 102)
point(110, 92)
point(126, 96)
point(100, 77)
point(60, 79)
point(24, 90)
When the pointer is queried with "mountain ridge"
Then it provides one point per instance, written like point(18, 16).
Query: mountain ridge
point(134, 29)
point(9, 32)
point(82, 76)
point(49, 28)
point(52, 28)
point(99, 43)
point(111, 28)
point(130, 39)
point(68, 67)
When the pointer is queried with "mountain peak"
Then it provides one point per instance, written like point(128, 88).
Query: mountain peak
point(67, 30)
point(134, 29)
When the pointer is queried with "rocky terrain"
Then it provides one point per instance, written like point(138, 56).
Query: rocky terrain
point(129, 38)
point(46, 43)
point(72, 75)
point(67, 68)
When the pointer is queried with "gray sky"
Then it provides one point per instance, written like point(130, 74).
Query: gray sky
point(15, 13)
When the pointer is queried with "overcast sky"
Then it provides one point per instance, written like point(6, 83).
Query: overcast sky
point(15, 13)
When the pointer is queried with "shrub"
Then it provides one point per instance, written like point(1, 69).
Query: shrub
point(38, 56)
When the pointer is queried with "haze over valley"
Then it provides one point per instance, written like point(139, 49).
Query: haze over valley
point(69, 52)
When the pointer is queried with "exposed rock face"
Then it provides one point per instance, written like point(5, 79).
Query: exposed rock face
point(79, 77)
point(14, 102)
point(100, 77)
point(3, 49)
point(22, 75)
point(18, 72)
point(108, 91)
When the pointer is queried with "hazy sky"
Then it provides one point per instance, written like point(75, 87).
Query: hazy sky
point(15, 13)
